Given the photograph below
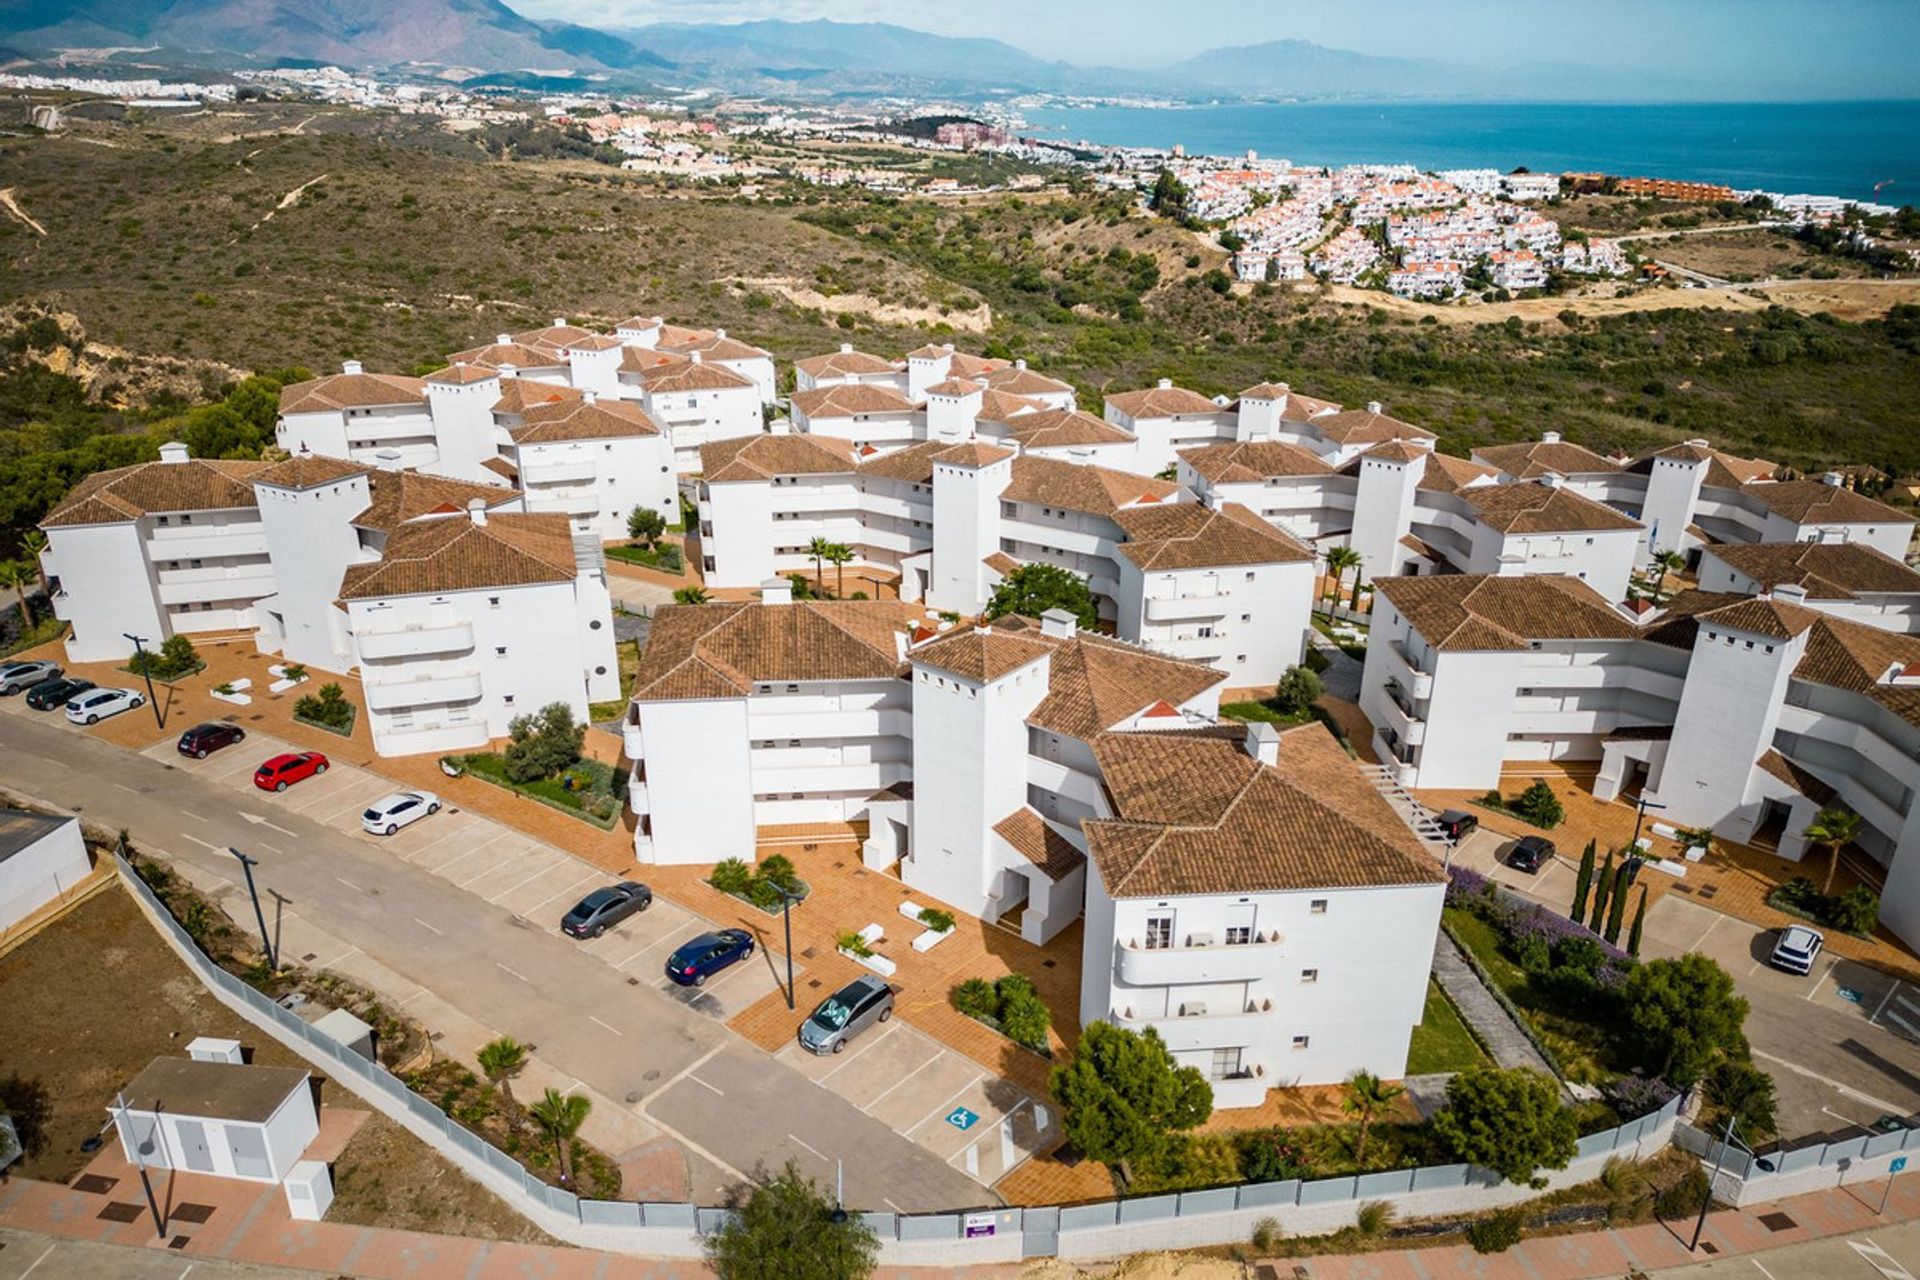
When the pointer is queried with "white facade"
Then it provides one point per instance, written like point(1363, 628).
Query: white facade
point(226, 1119)
point(42, 857)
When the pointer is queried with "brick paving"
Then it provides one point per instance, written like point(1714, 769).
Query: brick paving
point(1492, 1025)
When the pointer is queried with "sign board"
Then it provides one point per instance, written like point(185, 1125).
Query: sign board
point(962, 1119)
point(1898, 1166)
point(979, 1224)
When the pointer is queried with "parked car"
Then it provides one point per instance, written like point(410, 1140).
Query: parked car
point(98, 704)
point(604, 908)
point(203, 740)
point(1530, 854)
point(1456, 824)
point(1797, 949)
point(708, 954)
point(16, 676)
point(862, 1003)
point(283, 771)
point(57, 692)
point(390, 813)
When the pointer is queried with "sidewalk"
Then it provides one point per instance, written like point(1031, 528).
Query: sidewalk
point(1491, 1023)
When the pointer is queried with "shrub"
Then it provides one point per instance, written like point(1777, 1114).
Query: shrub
point(777, 869)
point(976, 998)
point(935, 919)
point(1297, 690)
point(1538, 805)
point(1495, 1233)
point(543, 744)
point(1267, 1233)
point(1374, 1218)
point(852, 943)
point(1493, 799)
point(1270, 1155)
point(731, 876)
point(1682, 1198)
point(1855, 911)
point(1024, 1017)
point(328, 707)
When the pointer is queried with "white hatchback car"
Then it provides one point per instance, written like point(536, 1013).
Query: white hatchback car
point(98, 704)
point(1797, 949)
point(390, 813)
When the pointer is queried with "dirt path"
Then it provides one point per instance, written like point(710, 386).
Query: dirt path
point(13, 207)
point(1846, 299)
point(977, 320)
point(288, 200)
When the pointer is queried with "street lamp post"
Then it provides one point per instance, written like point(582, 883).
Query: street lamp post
point(1640, 806)
point(133, 1145)
point(139, 648)
point(786, 917)
point(266, 939)
point(1726, 1140)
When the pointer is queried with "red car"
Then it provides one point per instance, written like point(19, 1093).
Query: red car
point(282, 772)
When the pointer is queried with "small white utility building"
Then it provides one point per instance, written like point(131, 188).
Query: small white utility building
point(41, 857)
point(218, 1117)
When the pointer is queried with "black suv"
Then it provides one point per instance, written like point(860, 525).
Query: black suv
point(204, 739)
point(1456, 824)
point(51, 695)
point(1530, 854)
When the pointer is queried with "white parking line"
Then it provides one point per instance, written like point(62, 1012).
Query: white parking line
point(516, 973)
point(715, 1089)
point(342, 956)
point(795, 1139)
point(350, 884)
point(188, 814)
point(1879, 1259)
point(615, 1030)
point(903, 1079)
point(424, 925)
point(479, 876)
point(591, 875)
point(37, 1261)
point(1882, 1006)
point(848, 1060)
point(1714, 924)
point(1888, 1107)
point(518, 884)
point(891, 1205)
point(1828, 973)
point(946, 1107)
point(448, 865)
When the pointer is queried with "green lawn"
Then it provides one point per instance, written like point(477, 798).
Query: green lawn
point(1263, 710)
point(1481, 939)
point(666, 557)
point(1442, 1042)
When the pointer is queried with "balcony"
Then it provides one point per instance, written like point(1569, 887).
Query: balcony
point(638, 798)
point(438, 737)
point(572, 502)
point(414, 642)
point(559, 470)
point(206, 542)
point(1202, 959)
point(1199, 605)
point(1417, 681)
point(198, 586)
point(1188, 1026)
point(399, 689)
point(1398, 714)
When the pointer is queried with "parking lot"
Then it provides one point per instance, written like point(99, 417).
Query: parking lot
point(534, 881)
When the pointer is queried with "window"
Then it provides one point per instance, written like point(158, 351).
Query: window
point(1301, 1042)
point(506, 699)
point(1309, 976)
point(1249, 575)
point(499, 651)
point(1226, 1064)
point(1239, 935)
point(594, 625)
point(1317, 907)
point(1159, 932)
point(493, 602)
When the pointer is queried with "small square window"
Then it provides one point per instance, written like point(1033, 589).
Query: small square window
point(1309, 976)
point(507, 699)
point(493, 602)
point(1317, 907)
point(1301, 1042)
point(499, 651)
point(1239, 935)
point(1249, 575)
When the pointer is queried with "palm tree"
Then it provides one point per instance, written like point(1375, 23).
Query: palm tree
point(838, 555)
point(16, 576)
point(1339, 560)
point(561, 1115)
point(501, 1060)
point(1832, 830)
point(1665, 562)
point(1367, 1095)
point(819, 550)
point(690, 595)
point(34, 543)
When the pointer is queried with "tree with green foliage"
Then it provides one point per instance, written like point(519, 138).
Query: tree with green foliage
point(785, 1228)
point(1124, 1098)
point(1339, 560)
point(500, 1061)
point(646, 525)
point(560, 1116)
point(1639, 924)
point(16, 576)
point(328, 707)
point(542, 744)
point(818, 551)
point(1582, 882)
point(1540, 806)
point(690, 595)
point(1602, 887)
point(1739, 1088)
point(1664, 563)
point(839, 555)
point(1032, 589)
point(1297, 690)
point(1679, 1014)
point(1509, 1121)
point(1617, 904)
point(1169, 197)
point(1367, 1096)
point(1832, 830)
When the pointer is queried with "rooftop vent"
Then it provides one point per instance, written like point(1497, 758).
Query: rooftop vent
point(776, 591)
point(1166, 384)
point(1058, 622)
point(1549, 437)
point(477, 510)
point(1373, 406)
point(352, 367)
point(1263, 742)
point(174, 451)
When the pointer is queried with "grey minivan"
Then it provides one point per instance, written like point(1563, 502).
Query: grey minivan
point(846, 1013)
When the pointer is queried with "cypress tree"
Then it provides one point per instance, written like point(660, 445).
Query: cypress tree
point(1617, 909)
point(1582, 884)
point(1639, 920)
point(1601, 888)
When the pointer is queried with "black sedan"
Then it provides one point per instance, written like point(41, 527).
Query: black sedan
point(51, 695)
point(707, 955)
point(1530, 854)
point(204, 739)
point(602, 909)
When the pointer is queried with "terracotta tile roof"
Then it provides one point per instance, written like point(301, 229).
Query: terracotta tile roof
point(400, 496)
point(975, 453)
point(1062, 429)
point(723, 650)
point(1197, 815)
point(639, 324)
point(1478, 612)
point(351, 391)
point(844, 399)
point(499, 354)
point(1001, 563)
point(1161, 402)
point(1253, 461)
point(1529, 507)
point(1447, 474)
point(1395, 451)
point(1724, 470)
point(1817, 502)
point(911, 465)
point(431, 556)
point(675, 335)
point(762, 457)
point(305, 471)
point(1073, 486)
point(1002, 406)
point(1039, 843)
point(1025, 382)
point(580, 420)
point(981, 654)
point(844, 364)
point(931, 351)
point(594, 342)
point(501, 467)
point(1828, 570)
point(461, 373)
point(1096, 682)
point(1362, 426)
point(693, 375)
point(1186, 535)
point(716, 348)
point(1267, 391)
point(1531, 460)
point(956, 387)
point(643, 360)
point(518, 395)
point(1795, 776)
point(146, 488)
point(553, 335)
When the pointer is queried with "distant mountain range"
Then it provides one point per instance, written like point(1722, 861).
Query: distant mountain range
point(485, 38)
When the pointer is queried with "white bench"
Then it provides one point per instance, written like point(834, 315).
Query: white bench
point(1666, 831)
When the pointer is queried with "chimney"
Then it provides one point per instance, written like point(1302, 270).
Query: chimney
point(846, 348)
point(947, 347)
point(1373, 406)
point(695, 357)
point(1021, 365)
point(503, 339)
point(173, 451)
point(1058, 622)
point(509, 370)
point(559, 322)
point(1833, 478)
point(1512, 567)
point(776, 591)
point(387, 460)
point(1552, 480)
point(1790, 592)
point(477, 511)
point(589, 396)
point(1263, 742)
point(719, 335)
point(1700, 442)
point(352, 368)
point(1549, 437)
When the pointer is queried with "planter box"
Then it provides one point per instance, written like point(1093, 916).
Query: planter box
point(237, 699)
point(911, 910)
point(282, 685)
point(873, 933)
point(879, 964)
point(930, 939)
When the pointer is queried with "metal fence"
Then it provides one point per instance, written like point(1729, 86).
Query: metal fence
point(1218, 1215)
point(1748, 1177)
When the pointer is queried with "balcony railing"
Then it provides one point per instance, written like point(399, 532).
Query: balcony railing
point(1201, 958)
point(399, 689)
point(408, 642)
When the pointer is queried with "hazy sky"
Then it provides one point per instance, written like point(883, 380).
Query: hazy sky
point(1864, 48)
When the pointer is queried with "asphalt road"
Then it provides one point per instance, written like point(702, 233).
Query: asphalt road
point(622, 1039)
point(29, 1255)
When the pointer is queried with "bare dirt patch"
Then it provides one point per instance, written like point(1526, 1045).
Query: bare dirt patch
point(975, 320)
point(388, 1178)
point(1747, 255)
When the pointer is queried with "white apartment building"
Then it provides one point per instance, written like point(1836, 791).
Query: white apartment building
point(694, 402)
point(1436, 278)
point(1848, 580)
point(1745, 714)
point(866, 415)
point(849, 366)
point(356, 415)
point(1165, 419)
point(593, 461)
point(470, 619)
point(1516, 269)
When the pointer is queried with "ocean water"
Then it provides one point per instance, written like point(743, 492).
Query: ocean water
point(1824, 148)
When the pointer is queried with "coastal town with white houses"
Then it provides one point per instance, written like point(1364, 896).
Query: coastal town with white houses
point(1237, 885)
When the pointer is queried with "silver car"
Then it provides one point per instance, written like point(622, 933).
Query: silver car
point(15, 676)
point(846, 1013)
point(1797, 949)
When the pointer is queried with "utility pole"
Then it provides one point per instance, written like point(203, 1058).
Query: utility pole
point(786, 915)
point(139, 649)
point(133, 1145)
point(266, 939)
point(1640, 806)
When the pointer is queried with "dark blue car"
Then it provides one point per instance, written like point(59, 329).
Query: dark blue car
point(707, 955)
